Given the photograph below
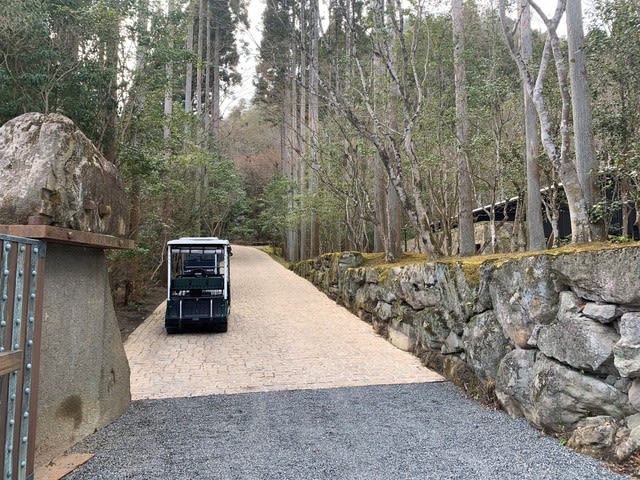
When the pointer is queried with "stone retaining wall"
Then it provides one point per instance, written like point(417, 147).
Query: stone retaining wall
point(555, 335)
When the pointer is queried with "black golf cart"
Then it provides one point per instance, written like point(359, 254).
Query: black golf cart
point(199, 293)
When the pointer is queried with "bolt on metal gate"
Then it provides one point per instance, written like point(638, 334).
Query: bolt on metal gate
point(21, 287)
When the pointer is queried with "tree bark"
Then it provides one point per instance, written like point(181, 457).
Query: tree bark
point(111, 107)
point(198, 93)
point(291, 96)
point(465, 186)
point(188, 81)
point(586, 163)
point(168, 91)
point(208, 104)
point(314, 232)
point(215, 111)
point(535, 228)
point(304, 140)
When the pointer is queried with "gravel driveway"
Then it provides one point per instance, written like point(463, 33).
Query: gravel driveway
point(327, 399)
point(411, 431)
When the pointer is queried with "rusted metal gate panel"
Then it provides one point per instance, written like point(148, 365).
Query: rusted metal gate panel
point(21, 287)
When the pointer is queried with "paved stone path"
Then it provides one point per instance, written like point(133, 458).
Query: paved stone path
point(283, 335)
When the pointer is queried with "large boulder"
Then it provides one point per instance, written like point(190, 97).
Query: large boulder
point(627, 350)
point(562, 396)
point(524, 295)
point(580, 342)
point(594, 436)
point(428, 285)
point(418, 286)
point(606, 276)
point(552, 396)
point(429, 325)
point(513, 382)
point(50, 173)
point(485, 345)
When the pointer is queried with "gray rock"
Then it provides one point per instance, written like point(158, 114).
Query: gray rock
point(628, 444)
point(569, 303)
point(623, 384)
point(607, 276)
point(369, 295)
point(604, 313)
point(51, 174)
point(430, 325)
point(562, 397)
point(633, 421)
point(513, 382)
point(350, 260)
point(630, 327)
point(371, 275)
point(350, 282)
point(453, 344)
point(523, 294)
point(594, 436)
point(483, 297)
point(634, 395)
point(417, 286)
point(485, 345)
point(384, 311)
point(627, 350)
point(428, 285)
point(459, 295)
point(580, 342)
point(402, 337)
point(533, 339)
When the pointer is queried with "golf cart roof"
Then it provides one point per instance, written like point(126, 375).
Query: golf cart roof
point(199, 241)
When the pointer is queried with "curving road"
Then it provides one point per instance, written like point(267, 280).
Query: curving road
point(298, 388)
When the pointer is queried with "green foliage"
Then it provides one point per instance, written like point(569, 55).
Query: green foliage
point(272, 211)
point(614, 48)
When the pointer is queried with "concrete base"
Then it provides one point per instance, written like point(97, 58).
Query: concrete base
point(84, 373)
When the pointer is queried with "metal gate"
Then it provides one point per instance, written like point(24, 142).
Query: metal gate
point(21, 286)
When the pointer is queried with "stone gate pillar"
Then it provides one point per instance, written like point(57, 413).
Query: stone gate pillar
point(57, 187)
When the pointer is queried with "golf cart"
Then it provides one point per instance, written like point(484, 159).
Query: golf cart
point(198, 289)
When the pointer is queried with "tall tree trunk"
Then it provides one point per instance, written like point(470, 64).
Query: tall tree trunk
point(396, 150)
point(208, 104)
point(465, 186)
point(188, 79)
point(380, 234)
point(586, 163)
point(200, 106)
point(393, 248)
point(535, 227)
point(380, 189)
point(215, 88)
point(394, 224)
point(304, 140)
point(290, 108)
point(198, 94)
point(168, 91)
point(313, 124)
point(111, 107)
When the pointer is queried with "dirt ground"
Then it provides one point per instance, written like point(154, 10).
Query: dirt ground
point(130, 316)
